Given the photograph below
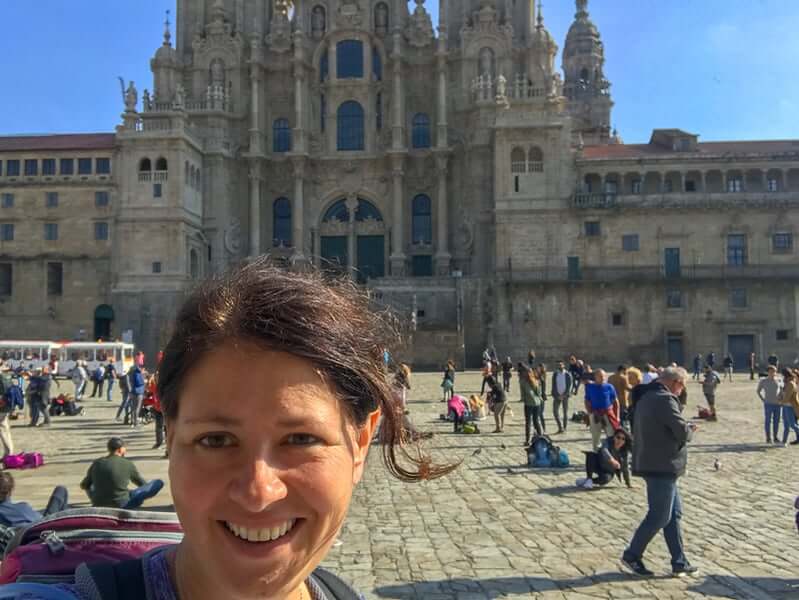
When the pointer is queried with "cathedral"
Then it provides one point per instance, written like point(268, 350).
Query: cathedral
point(452, 168)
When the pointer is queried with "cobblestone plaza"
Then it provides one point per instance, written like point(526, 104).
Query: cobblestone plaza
point(497, 529)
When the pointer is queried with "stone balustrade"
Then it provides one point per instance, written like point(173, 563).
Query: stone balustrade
point(697, 200)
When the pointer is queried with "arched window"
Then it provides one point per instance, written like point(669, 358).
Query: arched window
point(322, 112)
point(366, 210)
point(381, 18)
point(192, 176)
point(377, 64)
point(350, 126)
point(194, 264)
point(160, 164)
point(337, 212)
point(199, 179)
point(281, 136)
point(349, 59)
point(535, 161)
point(379, 111)
point(324, 67)
point(187, 173)
point(281, 219)
point(518, 161)
point(422, 220)
point(421, 131)
point(145, 165)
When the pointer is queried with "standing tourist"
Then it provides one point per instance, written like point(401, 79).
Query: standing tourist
point(79, 377)
point(602, 407)
point(136, 396)
point(8, 400)
point(729, 366)
point(531, 358)
point(768, 390)
point(622, 386)
point(124, 406)
point(789, 400)
point(499, 404)
point(507, 373)
point(541, 374)
point(98, 377)
point(561, 390)
point(576, 371)
point(709, 384)
point(448, 383)
point(774, 361)
point(660, 456)
point(697, 366)
point(711, 360)
point(752, 366)
point(110, 375)
point(39, 387)
point(530, 391)
point(402, 383)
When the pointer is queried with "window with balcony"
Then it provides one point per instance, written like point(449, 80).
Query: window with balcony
point(690, 185)
point(67, 166)
point(6, 279)
point(55, 278)
point(7, 200)
point(84, 166)
point(103, 166)
point(7, 232)
point(772, 185)
point(735, 184)
point(630, 242)
point(611, 187)
point(31, 167)
point(674, 299)
point(156, 267)
point(101, 199)
point(635, 187)
point(421, 131)
point(281, 135)
point(782, 243)
point(668, 186)
point(350, 122)
point(349, 59)
point(12, 168)
point(51, 199)
point(736, 250)
point(422, 220)
point(592, 229)
point(101, 231)
point(51, 232)
point(48, 166)
point(738, 298)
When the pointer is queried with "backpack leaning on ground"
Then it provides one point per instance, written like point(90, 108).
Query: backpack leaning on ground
point(542, 453)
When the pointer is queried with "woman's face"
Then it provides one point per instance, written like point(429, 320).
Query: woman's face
point(619, 441)
point(262, 466)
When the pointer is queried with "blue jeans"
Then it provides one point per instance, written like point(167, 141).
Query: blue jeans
point(772, 413)
point(665, 512)
point(140, 494)
point(110, 383)
point(789, 422)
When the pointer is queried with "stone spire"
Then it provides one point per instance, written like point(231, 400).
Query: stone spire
point(582, 9)
point(167, 32)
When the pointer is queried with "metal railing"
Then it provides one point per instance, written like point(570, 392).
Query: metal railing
point(652, 273)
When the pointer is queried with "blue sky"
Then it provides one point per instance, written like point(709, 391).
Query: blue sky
point(723, 69)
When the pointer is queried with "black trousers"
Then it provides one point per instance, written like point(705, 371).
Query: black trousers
point(159, 428)
point(532, 419)
point(593, 469)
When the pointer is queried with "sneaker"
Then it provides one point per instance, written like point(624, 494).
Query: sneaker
point(795, 442)
point(588, 485)
point(684, 571)
point(636, 567)
point(580, 481)
point(768, 440)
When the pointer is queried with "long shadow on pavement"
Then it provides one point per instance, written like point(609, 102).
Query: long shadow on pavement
point(751, 588)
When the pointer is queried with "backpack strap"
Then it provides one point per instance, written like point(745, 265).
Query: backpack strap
point(119, 581)
point(333, 586)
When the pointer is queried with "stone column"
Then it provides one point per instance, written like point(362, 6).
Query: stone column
point(442, 257)
point(300, 94)
point(441, 59)
point(704, 182)
point(255, 94)
point(784, 183)
point(682, 182)
point(398, 264)
point(255, 207)
point(298, 210)
point(398, 119)
point(352, 206)
point(725, 180)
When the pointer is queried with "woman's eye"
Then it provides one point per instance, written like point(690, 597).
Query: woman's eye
point(303, 439)
point(216, 440)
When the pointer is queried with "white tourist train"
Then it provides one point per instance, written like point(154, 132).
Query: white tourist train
point(62, 356)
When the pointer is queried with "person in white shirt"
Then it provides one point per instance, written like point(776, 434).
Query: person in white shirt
point(561, 390)
point(650, 374)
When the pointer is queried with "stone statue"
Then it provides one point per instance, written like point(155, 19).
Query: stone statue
point(131, 98)
point(180, 96)
point(502, 86)
point(217, 72)
point(487, 62)
point(146, 100)
point(318, 21)
point(381, 18)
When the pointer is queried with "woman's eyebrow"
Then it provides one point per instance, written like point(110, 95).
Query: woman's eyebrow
point(214, 420)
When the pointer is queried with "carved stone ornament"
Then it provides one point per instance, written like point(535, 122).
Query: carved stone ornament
point(334, 228)
point(279, 38)
point(232, 238)
point(464, 238)
point(349, 15)
point(485, 21)
point(217, 35)
point(420, 27)
point(370, 226)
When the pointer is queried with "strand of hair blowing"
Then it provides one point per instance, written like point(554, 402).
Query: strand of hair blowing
point(324, 320)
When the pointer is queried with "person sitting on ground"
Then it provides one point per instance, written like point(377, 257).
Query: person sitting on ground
point(709, 384)
point(107, 480)
point(611, 459)
point(456, 407)
point(21, 514)
point(477, 407)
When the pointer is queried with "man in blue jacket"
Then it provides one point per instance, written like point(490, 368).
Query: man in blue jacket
point(20, 514)
point(660, 455)
point(137, 385)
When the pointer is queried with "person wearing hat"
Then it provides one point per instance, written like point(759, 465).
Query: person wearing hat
point(107, 480)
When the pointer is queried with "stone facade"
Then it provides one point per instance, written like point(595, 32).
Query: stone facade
point(461, 176)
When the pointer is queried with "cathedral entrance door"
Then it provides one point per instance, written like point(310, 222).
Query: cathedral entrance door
point(371, 257)
point(334, 253)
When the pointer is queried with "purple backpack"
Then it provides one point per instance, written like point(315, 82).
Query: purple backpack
point(23, 460)
point(50, 550)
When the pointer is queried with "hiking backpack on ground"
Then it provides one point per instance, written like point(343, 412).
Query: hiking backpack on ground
point(542, 453)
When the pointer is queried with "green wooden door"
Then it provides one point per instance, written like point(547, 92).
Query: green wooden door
point(371, 257)
point(334, 253)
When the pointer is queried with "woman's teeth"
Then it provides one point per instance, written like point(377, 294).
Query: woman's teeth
point(252, 534)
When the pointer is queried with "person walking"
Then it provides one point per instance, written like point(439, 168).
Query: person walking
point(752, 366)
point(697, 366)
point(602, 407)
point(39, 387)
point(106, 482)
point(79, 377)
point(530, 391)
point(710, 361)
point(561, 391)
point(541, 374)
point(8, 400)
point(124, 406)
point(660, 457)
point(789, 402)
point(136, 397)
point(576, 369)
point(499, 404)
point(97, 378)
point(507, 373)
point(768, 390)
point(110, 376)
point(487, 376)
point(622, 386)
point(729, 367)
point(709, 384)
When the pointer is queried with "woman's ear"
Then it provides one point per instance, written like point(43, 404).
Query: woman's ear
point(365, 436)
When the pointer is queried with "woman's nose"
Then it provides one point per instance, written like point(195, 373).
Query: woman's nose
point(258, 486)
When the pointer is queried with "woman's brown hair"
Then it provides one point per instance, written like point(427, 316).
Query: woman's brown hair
point(326, 321)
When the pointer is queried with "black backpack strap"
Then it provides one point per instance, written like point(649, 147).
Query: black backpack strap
point(119, 581)
point(333, 586)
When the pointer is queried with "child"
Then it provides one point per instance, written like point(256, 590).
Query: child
point(456, 406)
point(448, 384)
